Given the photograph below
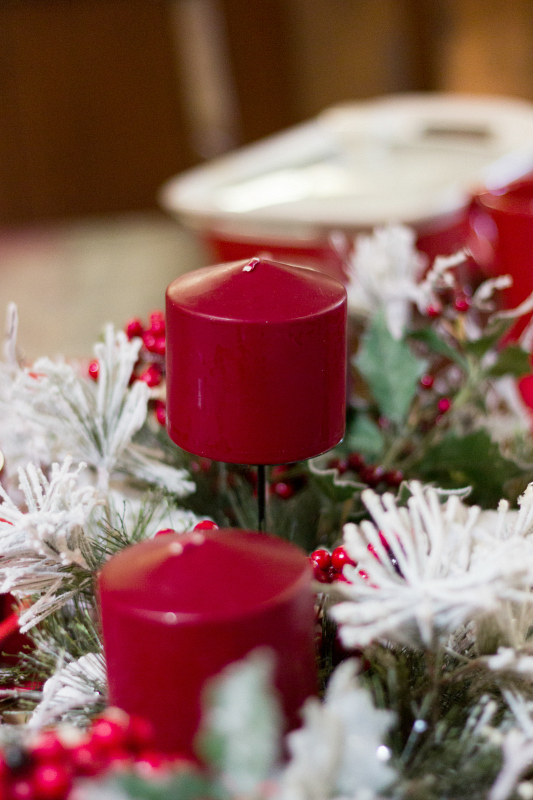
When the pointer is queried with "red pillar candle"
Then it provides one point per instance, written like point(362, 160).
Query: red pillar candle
point(256, 362)
point(177, 609)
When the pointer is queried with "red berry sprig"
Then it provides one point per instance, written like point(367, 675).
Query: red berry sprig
point(47, 767)
point(150, 366)
point(327, 567)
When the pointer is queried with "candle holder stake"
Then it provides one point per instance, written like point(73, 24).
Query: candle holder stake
point(261, 497)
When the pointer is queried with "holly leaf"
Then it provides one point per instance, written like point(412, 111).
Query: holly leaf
point(512, 360)
point(331, 483)
point(390, 369)
point(364, 436)
point(437, 345)
point(480, 346)
point(473, 460)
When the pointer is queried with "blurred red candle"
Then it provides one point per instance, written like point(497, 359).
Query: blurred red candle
point(177, 609)
point(256, 362)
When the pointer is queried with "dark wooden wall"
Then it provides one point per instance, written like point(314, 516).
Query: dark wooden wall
point(91, 119)
point(93, 113)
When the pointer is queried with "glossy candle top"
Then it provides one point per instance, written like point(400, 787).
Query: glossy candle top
point(256, 291)
point(208, 575)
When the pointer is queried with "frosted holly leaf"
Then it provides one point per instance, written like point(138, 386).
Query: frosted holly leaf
point(339, 750)
point(241, 726)
point(420, 581)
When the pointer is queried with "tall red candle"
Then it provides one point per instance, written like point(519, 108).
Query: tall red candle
point(256, 362)
point(177, 609)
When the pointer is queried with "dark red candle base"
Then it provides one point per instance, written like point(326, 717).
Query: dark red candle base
point(177, 609)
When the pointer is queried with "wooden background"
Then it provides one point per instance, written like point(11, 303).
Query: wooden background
point(97, 99)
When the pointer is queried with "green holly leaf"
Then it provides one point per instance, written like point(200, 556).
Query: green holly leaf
point(390, 369)
point(473, 460)
point(513, 360)
point(480, 346)
point(330, 482)
point(437, 345)
point(364, 436)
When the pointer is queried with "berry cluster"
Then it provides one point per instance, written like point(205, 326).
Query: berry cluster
point(47, 766)
point(373, 475)
point(150, 366)
point(283, 484)
point(327, 567)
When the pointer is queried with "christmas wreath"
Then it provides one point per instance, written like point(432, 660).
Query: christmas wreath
point(419, 527)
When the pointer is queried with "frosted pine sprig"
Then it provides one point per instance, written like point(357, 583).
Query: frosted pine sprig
point(38, 544)
point(424, 575)
point(96, 422)
point(79, 684)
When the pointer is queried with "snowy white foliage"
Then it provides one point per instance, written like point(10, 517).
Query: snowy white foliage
point(434, 567)
point(383, 273)
point(339, 750)
point(38, 543)
point(78, 684)
point(94, 422)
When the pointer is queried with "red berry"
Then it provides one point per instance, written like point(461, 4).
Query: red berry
point(339, 576)
point(283, 490)
point(21, 789)
point(106, 734)
point(278, 470)
point(86, 760)
point(433, 310)
point(151, 376)
point(159, 346)
point(340, 557)
point(51, 782)
point(139, 734)
point(444, 405)
point(356, 461)
point(320, 575)
point(149, 761)
point(461, 303)
point(340, 464)
point(164, 531)
point(206, 525)
point(134, 327)
point(157, 323)
point(372, 476)
point(93, 369)
point(427, 381)
point(393, 477)
point(322, 558)
point(161, 413)
point(47, 747)
point(150, 341)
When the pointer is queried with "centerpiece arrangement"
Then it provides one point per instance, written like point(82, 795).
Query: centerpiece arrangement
point(418, 527)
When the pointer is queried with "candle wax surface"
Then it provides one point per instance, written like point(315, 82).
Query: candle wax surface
point(256, 362)
point(178, 608)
